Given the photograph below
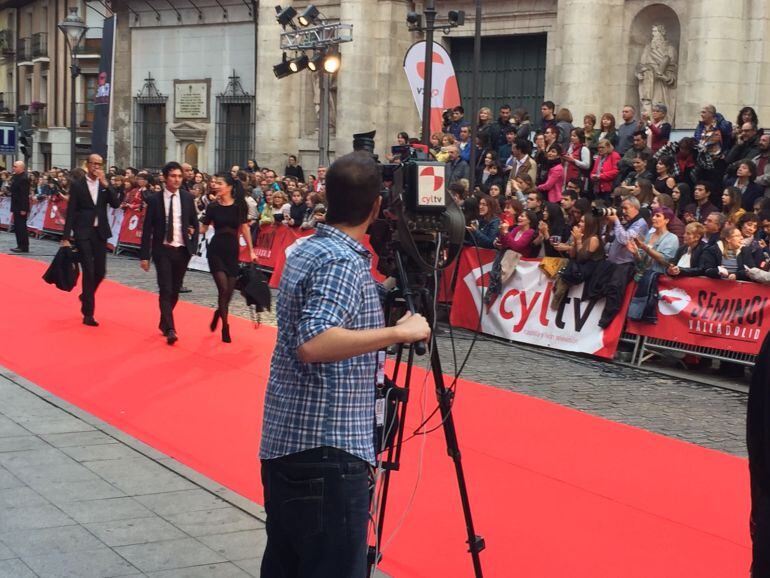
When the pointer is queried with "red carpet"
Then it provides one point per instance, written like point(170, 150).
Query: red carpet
point(555, 492)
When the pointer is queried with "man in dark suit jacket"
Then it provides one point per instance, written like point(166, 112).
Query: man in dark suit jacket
point(20, 206)
point(170, 235)
point(87, 219)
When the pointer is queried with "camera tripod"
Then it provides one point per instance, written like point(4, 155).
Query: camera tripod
point(415, 291)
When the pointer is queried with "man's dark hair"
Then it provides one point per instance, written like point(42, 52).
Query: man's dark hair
point(640, 133)
point(459, 109)
point(576, 182)
point(523, 145)
point(173, 165)
point(353, 185)
point(549, 104)
point(574, 195)
point(505, 107)
point(132, 169)
point(705, 184)
point(645, 156)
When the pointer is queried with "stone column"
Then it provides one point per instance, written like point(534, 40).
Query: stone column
point(373, 92)
point(714, 35)
point(589, 74)
point(278, 100)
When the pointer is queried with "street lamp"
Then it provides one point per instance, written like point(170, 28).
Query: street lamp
point(74, 30)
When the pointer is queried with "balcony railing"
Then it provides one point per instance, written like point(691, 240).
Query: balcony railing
point(6, 42)
point(90, 46)
point(24, 49)
point(39, 44)
point(8, 105)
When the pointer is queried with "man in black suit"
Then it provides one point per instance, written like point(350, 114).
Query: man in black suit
point(87, 219)
point(20, 206)
point(170, 235)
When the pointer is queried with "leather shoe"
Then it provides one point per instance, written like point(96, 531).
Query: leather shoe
point(17, 250)
point(184, 289)
point(90, 321)
point(171, 337)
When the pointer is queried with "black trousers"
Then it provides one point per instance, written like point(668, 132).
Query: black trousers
point(170, 266)
point(93, 264)
point(616, 290)
point(20, 229)
point(317, 505)
point(759, 527)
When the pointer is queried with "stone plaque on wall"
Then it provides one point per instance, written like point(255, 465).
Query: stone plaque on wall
point(191, 99)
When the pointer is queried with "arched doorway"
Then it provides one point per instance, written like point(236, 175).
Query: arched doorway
point(191, 154)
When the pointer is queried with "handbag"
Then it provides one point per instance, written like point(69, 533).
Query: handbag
point(253, 286)
point(552, 265)
point(508, 263)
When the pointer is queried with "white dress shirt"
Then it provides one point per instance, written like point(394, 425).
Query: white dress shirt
point(93, 188)
point(168, 197)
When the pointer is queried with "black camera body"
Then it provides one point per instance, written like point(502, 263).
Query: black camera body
point(418, 216)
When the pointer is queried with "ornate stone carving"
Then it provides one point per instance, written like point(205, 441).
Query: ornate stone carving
point(657, 73)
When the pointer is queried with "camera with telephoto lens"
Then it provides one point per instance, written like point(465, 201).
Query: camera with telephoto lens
point(604, 211)
point(417, 217)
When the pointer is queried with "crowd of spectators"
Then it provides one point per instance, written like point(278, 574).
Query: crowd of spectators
point(289, 199)
point(614, 201)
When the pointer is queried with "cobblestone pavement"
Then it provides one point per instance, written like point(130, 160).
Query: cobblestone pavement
point(679, 408)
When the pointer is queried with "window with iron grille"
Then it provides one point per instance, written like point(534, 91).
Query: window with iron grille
point(235, 126)
point(149, 127)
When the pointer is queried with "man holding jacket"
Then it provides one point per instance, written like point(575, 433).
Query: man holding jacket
point(88, 223)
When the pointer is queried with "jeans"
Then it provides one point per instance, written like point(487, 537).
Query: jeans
point(317, 505)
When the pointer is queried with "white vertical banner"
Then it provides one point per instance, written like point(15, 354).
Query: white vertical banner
point(445, 91)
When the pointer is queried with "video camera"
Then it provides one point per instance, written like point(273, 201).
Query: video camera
point(417, 216)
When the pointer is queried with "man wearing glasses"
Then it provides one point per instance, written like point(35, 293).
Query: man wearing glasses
point(88, 224)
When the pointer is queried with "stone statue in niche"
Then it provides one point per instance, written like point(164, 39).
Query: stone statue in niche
point(657, 72)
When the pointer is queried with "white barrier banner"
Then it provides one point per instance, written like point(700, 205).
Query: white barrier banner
point(115, 216)
point(5, 211)
point(199, 261)
point(522, 312)
point(37, 212)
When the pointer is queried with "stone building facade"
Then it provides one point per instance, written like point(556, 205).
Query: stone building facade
point(587, 55)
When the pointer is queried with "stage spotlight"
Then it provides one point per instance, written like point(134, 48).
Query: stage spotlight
point(285, 16)
point(316, 61)
point(456, 17)
point(309, 15)
point(333, 60)
point(299, 63)
point(283, 69)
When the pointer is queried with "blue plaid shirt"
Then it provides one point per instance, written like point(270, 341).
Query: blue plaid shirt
point(327, 282)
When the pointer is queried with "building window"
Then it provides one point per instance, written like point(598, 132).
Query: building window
point(235, 126)
point(149, 127)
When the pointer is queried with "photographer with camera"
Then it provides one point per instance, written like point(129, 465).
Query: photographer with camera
point(317, 444)
point(621, 253)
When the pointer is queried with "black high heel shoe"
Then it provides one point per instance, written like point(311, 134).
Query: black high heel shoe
point(226, 333)
point(214, 321)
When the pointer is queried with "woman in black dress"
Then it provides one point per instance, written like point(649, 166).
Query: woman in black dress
point(229, 217)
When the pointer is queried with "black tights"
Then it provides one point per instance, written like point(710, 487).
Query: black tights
point(225, 288)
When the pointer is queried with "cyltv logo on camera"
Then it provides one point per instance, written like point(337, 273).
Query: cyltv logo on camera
point(431, 191)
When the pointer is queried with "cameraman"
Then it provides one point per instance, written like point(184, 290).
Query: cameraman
point(621, 232)
point(317, 443)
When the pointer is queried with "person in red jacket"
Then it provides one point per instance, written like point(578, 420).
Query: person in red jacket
point(605, 170)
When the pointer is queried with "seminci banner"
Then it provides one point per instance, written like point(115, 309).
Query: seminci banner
point(522, 312)
point(726, 315)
